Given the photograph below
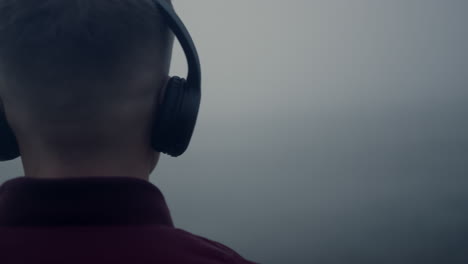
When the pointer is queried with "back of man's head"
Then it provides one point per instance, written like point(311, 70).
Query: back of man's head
point(81, 74)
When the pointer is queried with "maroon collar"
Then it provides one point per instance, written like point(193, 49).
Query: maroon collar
point(89, 201)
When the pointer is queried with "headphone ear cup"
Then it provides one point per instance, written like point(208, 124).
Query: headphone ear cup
point(166, 130)
point(176, 118)
point(9, 148)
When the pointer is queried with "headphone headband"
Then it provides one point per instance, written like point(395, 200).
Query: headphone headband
point(176, 117)
point(182, 34)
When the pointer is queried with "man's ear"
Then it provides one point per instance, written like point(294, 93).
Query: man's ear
point(162, 89)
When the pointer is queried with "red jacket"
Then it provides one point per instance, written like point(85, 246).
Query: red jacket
point(96, 220)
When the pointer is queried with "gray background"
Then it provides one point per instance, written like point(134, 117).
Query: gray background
point(331, 131)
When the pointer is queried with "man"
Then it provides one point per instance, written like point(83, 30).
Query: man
point(82, 82)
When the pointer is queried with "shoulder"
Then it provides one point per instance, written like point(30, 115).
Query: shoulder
point(213, 248)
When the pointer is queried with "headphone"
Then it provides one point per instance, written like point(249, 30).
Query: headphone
point(176, 117)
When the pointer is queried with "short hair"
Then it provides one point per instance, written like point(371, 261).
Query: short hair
point(54, 48)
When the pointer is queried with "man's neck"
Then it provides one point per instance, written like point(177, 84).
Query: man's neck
point(42, 166)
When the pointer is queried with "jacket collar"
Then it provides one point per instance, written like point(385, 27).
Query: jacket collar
point(86, 201)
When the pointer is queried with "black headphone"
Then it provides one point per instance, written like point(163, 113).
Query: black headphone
point(176, 116)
